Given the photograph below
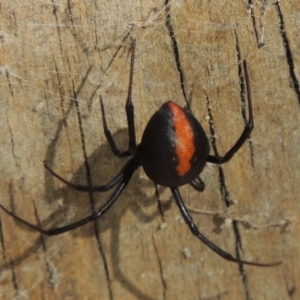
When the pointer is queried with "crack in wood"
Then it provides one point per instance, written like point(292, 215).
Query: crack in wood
point(288, 53)
point(175, 51)
point(89, 183)
point(226, 198)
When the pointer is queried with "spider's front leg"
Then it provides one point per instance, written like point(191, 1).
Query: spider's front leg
point(246, 132)
point(129, 113)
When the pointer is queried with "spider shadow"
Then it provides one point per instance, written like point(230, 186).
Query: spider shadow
point(104, 165)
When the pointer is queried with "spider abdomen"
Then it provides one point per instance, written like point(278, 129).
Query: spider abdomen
point(174, 146)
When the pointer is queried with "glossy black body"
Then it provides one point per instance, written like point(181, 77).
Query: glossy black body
point(157, 148)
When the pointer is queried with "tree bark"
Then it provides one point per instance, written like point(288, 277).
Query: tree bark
point(57, 57)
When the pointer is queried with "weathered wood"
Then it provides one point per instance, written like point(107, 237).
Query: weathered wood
point(46, 52)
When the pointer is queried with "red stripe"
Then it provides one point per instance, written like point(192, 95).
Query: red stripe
point(184, 142)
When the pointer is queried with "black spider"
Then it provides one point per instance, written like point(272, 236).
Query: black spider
point(173, 152)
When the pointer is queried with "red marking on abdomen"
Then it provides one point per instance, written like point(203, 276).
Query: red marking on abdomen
point(184, 139)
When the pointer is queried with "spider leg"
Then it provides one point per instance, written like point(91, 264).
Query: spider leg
point(129, 113)
point(188, 219)
point(100, 188)
point(245, 134)
point(103, 209)
point(198, 184)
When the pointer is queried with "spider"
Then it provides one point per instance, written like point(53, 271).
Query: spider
point(173, 152)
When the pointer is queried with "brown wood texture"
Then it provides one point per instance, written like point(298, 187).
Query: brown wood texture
point(57, 57)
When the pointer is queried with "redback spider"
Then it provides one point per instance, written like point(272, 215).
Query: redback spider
point(173, 152)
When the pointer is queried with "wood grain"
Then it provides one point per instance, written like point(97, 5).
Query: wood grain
point(57, 57)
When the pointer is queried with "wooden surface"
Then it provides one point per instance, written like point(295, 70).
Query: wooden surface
point(50, 112)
